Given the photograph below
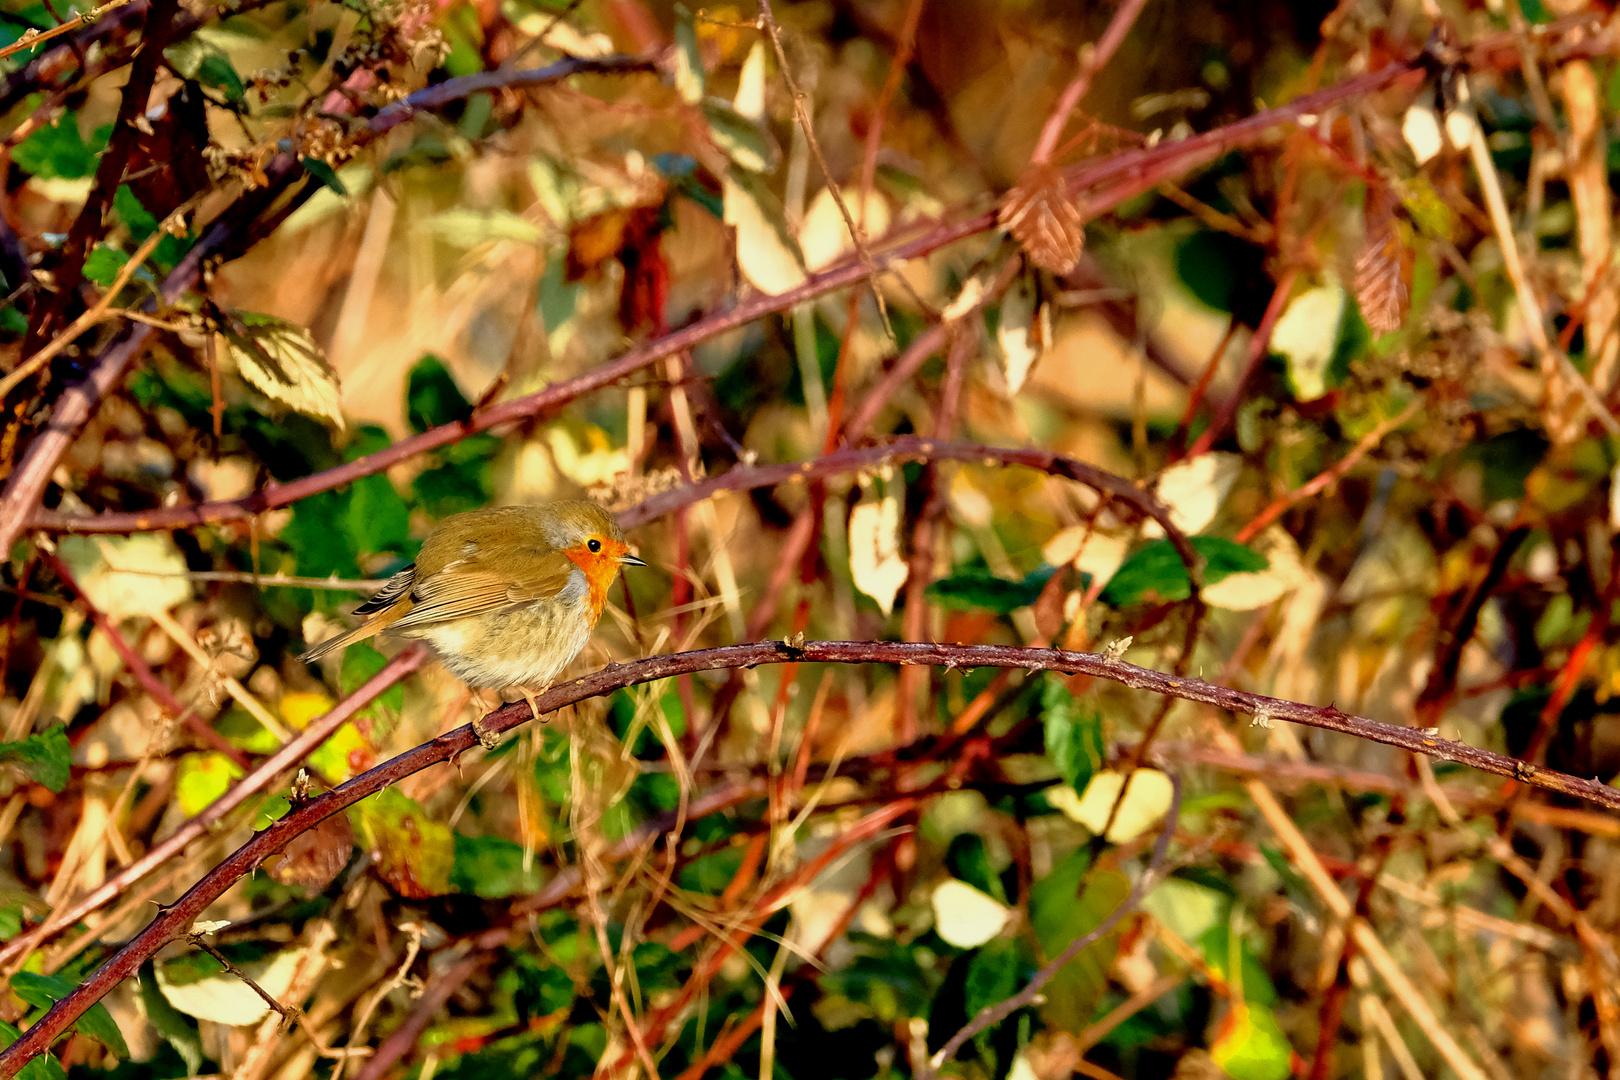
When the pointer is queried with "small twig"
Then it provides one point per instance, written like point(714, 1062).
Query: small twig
point(991, 1015)
point(289, 1015)
point(857, 232)
point(102, 310)
point(1555, 364)
point(32, 38)
point(1091, 61)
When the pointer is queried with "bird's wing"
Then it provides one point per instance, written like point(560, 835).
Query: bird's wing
point(396, 587)
point(470, 587)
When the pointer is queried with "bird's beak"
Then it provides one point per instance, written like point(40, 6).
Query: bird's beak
point(628, 559)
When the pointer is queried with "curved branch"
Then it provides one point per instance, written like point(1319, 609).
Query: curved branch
point(1129, 172)
point(173, 920)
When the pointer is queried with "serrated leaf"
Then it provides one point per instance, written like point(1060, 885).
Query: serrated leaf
point(58, 150)
point(1156, 568)
point(45, 757)
point(283, 362)
point(1045, 219)
point(44, 991)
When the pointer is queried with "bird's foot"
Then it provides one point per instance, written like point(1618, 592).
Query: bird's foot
point(528, 695)
point(488, 739)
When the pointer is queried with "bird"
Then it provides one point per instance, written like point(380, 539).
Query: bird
point(506, 596)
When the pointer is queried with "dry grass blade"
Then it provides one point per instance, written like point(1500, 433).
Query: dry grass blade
point(1044, 219)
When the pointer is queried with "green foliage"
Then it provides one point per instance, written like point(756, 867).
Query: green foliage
point(492, 867)
point(58, 151)
point(968, 861)
point(44, 757)
point(1212, 264)
point(1068, 903)
point(101, 266)
point(976, 589)
point(1074, 735)
point(1154, 570)
point(43, 991)
point(464, 478)
point(885, 980)
point(43, 1067)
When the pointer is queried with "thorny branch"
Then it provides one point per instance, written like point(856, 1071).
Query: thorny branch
point(174, 919)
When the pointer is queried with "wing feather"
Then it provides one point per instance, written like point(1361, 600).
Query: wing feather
point(469, 587)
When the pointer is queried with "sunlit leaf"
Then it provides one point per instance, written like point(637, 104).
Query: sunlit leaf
point(1146, 800)
point(1045, 219)
point(875, 562)
point(1194, 490)
point(688, 74)
point(283, 362)
point(1156, 570)
point(964, 916)
point(198, 986)
point(201, 778)
point(824, 234)
point(766, 254)
point(128, 575)
point(1250, 1045)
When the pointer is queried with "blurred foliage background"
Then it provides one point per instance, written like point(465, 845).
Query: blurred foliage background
point(1367, 359)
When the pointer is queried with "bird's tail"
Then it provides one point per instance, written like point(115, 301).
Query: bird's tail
point(370, 628)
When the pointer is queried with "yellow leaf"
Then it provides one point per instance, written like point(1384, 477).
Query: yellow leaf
point(875, 562)
point(763, 254)
point(1145, 802)
point(299, 708)
point(1194, 490)
point(824, 236)
point(966, 917)
point(123, 576)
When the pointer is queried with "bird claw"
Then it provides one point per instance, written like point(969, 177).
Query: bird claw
point(488, 739)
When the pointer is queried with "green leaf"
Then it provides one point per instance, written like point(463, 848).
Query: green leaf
point(968, 861)
point(1251, 1046)
point(432, 398)
point(745, 141)
point(44, 991)
point(315, 534)
point(1074, 735)
point(360, 663)
point(137, 218)
point(1059, 912)
point(45, 757)
point(976, 589)
point(43, 1067)
point(12, 320)
point(178, 1030)
point(492, 867)
point(207, 63)
point(1217, 946)
point(217, 71)
point(201, 778)
point(323, 172)
point(378, 519)
point(1155, 568)
point(59, 151)
point(103, 263)
point(688, 59)
point(1211, 264)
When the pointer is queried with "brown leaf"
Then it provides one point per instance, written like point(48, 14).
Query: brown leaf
point(1044, 220)
point(312, 859)
point(1380, 272)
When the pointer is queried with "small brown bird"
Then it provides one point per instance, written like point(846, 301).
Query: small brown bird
point(506, 596)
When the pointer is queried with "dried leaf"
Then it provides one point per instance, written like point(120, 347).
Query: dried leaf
point(282, 360)
point(413, 852)
point(126, 576)
point(1018, 334)
point(1380, 281)
point(313, 858)
point(1045, 221)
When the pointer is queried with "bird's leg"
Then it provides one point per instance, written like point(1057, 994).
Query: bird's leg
point(528, 695)
point(489, 740)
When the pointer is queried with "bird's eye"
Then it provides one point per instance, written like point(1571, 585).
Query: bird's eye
point(594, 545)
